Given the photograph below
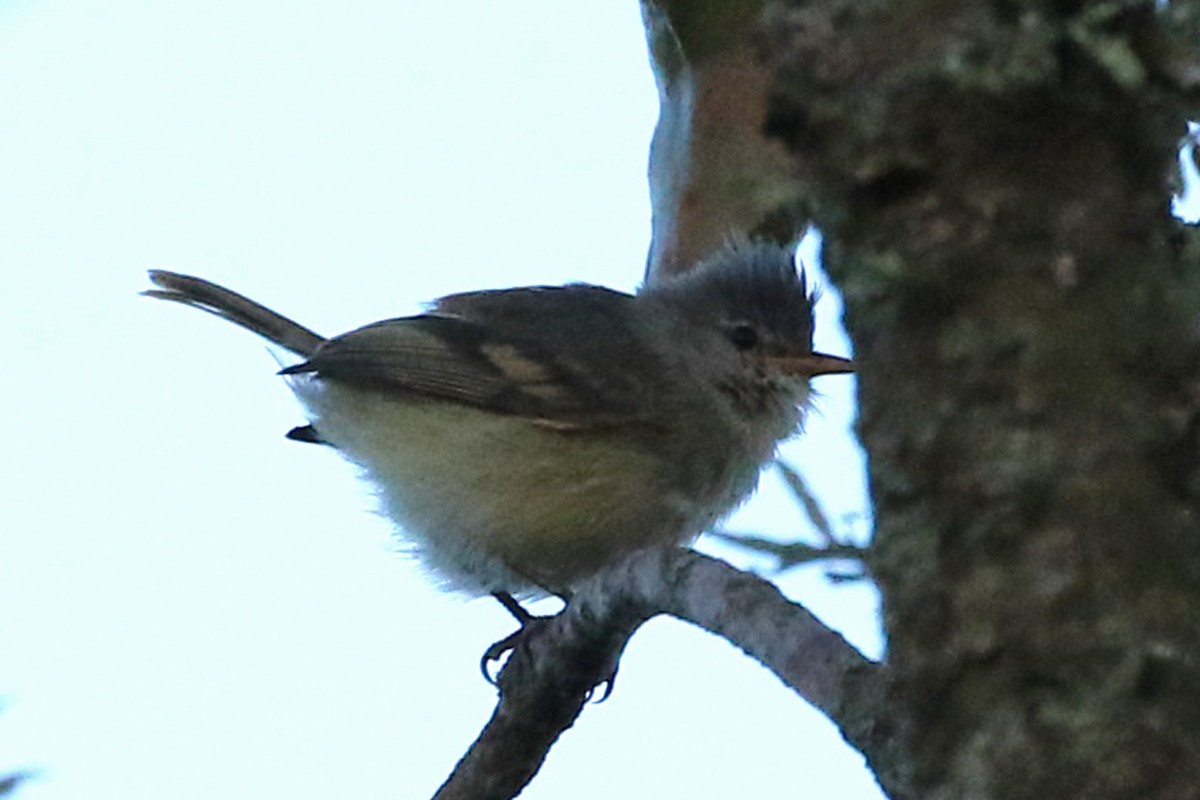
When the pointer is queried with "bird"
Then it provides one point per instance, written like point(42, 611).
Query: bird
point(524, 439)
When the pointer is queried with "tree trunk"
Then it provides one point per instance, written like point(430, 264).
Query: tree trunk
point(993, 182)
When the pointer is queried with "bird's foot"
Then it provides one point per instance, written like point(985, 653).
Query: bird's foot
point(528, 622)
point(530, 625)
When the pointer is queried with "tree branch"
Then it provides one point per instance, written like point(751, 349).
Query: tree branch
point(714, 173)
point(551, 673)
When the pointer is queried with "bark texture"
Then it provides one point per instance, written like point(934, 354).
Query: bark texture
point(992, 178)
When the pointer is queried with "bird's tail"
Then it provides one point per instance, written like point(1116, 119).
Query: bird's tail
point(218, 300)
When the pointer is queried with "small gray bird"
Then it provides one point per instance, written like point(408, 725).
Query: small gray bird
point(523, 439)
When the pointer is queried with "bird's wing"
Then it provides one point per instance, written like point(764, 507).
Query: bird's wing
point(550, 360)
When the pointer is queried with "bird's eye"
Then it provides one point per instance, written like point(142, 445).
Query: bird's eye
point(743, 336)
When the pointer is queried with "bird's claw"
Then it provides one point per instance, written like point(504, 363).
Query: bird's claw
point(609, 682)
point(497, 650)
point(530, 623)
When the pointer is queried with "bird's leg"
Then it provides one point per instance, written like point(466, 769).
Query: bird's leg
point(513, 607)
point(529, 623)
point(497, 650)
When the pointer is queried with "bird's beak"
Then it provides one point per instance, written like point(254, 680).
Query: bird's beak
point(809, 365)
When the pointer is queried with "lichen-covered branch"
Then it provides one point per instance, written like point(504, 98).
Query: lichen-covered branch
point(551, 674)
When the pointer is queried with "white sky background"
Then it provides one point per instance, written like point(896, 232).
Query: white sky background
point(192, 606)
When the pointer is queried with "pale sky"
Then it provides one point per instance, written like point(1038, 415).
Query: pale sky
point(195, 607)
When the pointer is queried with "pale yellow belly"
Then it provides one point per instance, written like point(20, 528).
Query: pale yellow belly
point(493, 502)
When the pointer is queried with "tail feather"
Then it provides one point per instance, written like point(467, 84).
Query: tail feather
point(222, 302)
